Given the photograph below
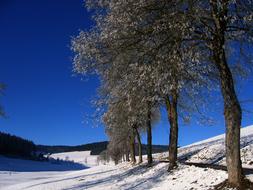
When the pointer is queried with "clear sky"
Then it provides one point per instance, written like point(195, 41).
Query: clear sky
point(43, 100)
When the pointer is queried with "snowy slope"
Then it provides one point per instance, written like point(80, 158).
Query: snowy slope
point(245, 132)
point(82, 157)
point(18, 165)
point(125, 176)
point(212, 150)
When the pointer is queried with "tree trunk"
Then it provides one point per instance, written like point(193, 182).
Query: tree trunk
point(132, 148)
point(139, 145)
point(149, 139)
point(233, 116)
point(173, 120)
point(127, 156)
point(232, 108)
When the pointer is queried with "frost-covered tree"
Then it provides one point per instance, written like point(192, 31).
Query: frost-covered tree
point(168, 51)
point(138, 44)
point(129, 109)
point(218, 26)
point(117, 131)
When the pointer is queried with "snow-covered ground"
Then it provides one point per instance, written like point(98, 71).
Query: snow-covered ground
point(82, 157)
point(20, 174)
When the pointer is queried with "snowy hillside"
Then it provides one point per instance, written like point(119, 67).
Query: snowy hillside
point(189, 174)
point(212, 150)
point(82, 157)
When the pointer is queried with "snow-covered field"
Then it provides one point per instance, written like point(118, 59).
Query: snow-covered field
point(82, 157)
point(30, 175)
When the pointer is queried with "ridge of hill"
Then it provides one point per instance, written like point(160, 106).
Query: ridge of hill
point(95, 148)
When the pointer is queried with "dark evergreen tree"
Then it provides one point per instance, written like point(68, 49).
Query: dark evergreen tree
point(11, 145)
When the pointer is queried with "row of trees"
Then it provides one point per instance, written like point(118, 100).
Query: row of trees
point(153, 53)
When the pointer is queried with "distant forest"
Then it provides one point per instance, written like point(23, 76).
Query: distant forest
point(11, 145)
point(95, 148)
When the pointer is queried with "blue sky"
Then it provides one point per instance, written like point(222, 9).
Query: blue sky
point(43, 100)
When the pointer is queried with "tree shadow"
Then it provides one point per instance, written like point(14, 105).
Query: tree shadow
point(246, 171)
point(185, 156)
point(217, 155)
point(68, 178)
point(136, 171)
point(20, 165)
point(148, 182)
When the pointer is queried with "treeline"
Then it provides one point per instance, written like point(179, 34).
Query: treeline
point(156, 53)
point(11, 145)
point(95, 148)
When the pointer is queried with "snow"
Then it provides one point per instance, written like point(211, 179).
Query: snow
point(245, 132)
point(85, 172)
point(82, 157)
